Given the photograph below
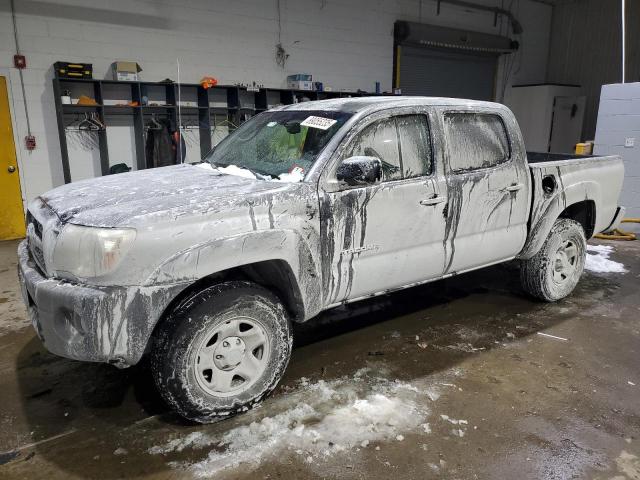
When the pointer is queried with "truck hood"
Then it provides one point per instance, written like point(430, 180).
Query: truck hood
point(129, 199)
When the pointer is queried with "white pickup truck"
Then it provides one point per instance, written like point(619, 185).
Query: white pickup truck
point(302, 208)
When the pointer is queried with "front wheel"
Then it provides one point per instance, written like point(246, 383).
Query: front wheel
point(221, 351)
point(553, 272)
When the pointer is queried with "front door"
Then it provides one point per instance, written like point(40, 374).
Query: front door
point(488, 191)
point(11, 212)
point(390, 234)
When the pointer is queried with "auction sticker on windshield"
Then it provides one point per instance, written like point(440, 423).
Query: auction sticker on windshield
point(318, 122)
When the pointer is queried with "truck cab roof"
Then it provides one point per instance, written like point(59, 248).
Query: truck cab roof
point(375, 103)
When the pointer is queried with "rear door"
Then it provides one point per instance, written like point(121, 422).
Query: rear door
point(390, 234)
point(487, 188)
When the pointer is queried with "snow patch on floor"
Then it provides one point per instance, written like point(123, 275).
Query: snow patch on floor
point(315, 421)
point(598, 260)
point(453, 420)
point(193, 440)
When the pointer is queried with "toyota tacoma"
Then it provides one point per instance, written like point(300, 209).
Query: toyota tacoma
point(203, 267)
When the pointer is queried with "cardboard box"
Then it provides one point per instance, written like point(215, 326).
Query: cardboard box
point(300, 81)
point(585, 148)
point(125, 71)
point(300, 85)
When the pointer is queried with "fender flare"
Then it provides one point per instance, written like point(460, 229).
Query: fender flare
point(551, 209)
point(218, 255)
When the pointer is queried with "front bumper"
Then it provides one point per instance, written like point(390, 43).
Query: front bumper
point(95, 324)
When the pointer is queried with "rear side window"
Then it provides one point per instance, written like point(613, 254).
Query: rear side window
point(475, 141)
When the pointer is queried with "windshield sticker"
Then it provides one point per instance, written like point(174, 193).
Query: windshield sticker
point(272, 124)
point(318, 122)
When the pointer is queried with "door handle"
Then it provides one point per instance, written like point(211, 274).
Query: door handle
point(434, 200)
point(515, 187)
point(11, 169)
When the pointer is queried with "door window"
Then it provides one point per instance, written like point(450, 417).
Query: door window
point(380, 140)
point(475, 140)
point(415, 145)
point(402, 144)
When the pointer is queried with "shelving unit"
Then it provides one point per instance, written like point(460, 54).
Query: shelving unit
point(221, 105)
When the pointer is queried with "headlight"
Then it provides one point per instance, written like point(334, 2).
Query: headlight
point(87, 252)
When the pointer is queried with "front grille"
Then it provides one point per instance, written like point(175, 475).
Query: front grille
point(38, 257)
point(37, 226)
point(34, 239)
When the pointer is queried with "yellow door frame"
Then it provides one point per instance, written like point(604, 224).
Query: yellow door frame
point(12, 217)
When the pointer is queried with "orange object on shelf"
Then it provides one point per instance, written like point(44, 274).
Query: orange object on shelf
point(208, 82)
point(84, 100)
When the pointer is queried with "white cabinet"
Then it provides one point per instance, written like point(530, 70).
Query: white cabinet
point(550, 115)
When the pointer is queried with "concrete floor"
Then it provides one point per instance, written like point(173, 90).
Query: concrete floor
point(459, 381)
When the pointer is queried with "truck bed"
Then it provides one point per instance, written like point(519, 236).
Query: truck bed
point(542, 160)
point(559, 180)
point(539, 157)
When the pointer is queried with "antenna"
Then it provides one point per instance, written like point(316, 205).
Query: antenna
point(179, 145)
point(623, 39)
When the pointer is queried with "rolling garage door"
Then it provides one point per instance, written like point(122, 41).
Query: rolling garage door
point(433, 72)
point(447, 62)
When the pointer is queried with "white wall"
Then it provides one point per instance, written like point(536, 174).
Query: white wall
point(585, 49)
point(345, 44)
point(618, 133)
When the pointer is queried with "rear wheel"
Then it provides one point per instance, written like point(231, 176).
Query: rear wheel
point(221, 351)
point(553, 272)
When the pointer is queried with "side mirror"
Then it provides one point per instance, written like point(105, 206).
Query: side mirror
point(360, 171)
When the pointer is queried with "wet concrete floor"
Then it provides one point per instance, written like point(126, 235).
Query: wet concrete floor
point(468, 348)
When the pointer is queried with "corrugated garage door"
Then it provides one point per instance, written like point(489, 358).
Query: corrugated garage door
point(433, 72)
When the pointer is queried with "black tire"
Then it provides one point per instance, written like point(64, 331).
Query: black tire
point(539, 274)
point(179, 339)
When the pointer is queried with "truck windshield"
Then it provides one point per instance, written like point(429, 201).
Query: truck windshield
point(280, 145)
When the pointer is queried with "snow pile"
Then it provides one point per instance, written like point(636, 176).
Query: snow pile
point(447, 418)
point(316, 421)
point(204, 165)
point(295, 176)
point(193, 440)
point(237, 171)
point(598, 260)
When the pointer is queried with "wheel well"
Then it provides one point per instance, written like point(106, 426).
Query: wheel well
point(276, 275)
point(584, 213)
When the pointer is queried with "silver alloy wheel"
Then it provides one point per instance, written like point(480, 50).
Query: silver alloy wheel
point(232, 356)
point(565, 262)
